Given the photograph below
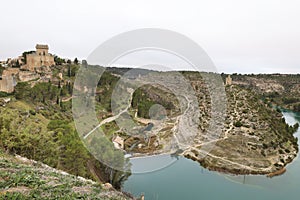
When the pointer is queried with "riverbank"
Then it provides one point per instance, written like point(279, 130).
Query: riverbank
point(242, 166)
point(239, 171)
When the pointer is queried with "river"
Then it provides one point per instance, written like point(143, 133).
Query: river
point(185, 179)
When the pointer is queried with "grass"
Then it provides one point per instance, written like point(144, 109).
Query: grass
point(22, 180)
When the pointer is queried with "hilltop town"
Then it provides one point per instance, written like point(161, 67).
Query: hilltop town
point(34, 66)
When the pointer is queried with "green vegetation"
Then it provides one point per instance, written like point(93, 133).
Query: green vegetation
point(106, 86)
point(276, 89)
point(58, 60)
point(1, 70)
point(142, 103)
point(114, 159)
point(26, 179)
point(238, 124)
point(41, 92)
point(38, 124)
point(52, 141)
point(145, 97)
point(4, 94)
point(76, 61)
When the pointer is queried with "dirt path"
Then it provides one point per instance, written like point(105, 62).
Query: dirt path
point(110, 119)
point(67, 99)
point(250, 168)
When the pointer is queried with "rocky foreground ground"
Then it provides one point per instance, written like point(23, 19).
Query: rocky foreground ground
point(21, 178)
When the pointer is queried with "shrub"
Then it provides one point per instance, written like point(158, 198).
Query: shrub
point(238, 124)
point(32, 112)
point(280, 151)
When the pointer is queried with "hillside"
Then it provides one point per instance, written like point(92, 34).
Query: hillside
point(21, 178)
point(36, 122)
point(179, 114)
point(254, 140)
point(277, 89)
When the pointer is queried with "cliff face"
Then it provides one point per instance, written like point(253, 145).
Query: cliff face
point(21, 178)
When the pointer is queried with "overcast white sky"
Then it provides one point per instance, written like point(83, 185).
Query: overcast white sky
point(259, 36)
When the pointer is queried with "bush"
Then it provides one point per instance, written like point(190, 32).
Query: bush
point(280, 151)
point(238, 124)
point(32, 112)
point(287, 151)
point(265, 146)
point(3, 94)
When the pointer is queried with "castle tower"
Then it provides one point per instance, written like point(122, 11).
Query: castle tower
point(39, 58)
point(42, 50)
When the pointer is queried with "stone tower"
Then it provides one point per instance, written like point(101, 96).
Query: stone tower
point(39, 58)
point(42, 49)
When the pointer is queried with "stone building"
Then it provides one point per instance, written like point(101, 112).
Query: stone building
point(41, 57)
point(11, 72)
point(118, 142)
point(7, 83)
point(8, 80)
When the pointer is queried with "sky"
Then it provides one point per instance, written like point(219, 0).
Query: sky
point(257, 36)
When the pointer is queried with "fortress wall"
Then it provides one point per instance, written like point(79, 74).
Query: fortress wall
point(7, 84)
point(35, 61)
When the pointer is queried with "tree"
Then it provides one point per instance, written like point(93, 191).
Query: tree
point(76, 61)
point(69, 70)
point(57, 100)
point(238, 124)
point(116, 166)
point(58, 60)
point(22, 90)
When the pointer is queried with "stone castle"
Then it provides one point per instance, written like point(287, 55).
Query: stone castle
point(39, 58)
point(37, 62)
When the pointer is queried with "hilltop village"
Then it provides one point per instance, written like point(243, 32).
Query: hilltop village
point(32, 66)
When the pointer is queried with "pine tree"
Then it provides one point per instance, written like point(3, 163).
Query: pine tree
point(69, 71)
